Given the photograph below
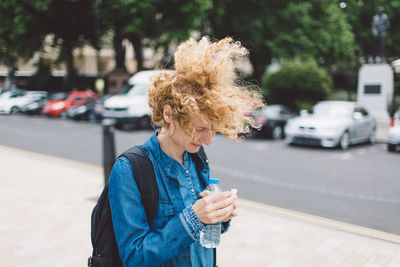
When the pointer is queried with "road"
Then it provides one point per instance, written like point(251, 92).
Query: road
point(359, 186)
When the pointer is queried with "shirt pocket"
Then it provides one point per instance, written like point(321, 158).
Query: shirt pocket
point(165, 210)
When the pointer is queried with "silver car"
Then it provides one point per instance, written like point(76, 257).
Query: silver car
point(332, 123)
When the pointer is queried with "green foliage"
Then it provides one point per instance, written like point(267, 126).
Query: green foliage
point(152, 23)
point(316, 29)
point(285, 29)
point(297, 84)
point(21, 31)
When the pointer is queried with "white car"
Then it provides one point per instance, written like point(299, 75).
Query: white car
point(332, 123)
point(12, 102)
point(130, 106)
point(394, 132)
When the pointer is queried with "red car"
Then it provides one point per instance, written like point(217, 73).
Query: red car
point(57, 108)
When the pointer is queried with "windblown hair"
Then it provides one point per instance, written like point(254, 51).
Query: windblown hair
point(205, 82)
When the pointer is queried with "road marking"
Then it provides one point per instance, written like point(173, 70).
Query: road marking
point(320, 221)
point(298, 187)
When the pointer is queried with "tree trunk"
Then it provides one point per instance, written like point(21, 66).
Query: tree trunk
point(119, 49)
point(138, 49)
point(10, 79)
point(71, 72)
point(259, 63)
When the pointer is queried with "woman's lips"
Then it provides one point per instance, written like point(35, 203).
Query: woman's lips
point(196, 145)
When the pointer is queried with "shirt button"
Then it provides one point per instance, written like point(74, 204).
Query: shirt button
point(192, 190)
point(187, 171)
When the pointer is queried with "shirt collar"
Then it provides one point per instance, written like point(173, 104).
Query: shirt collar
point(167, 163)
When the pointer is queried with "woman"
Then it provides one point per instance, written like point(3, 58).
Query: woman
point(191, 104)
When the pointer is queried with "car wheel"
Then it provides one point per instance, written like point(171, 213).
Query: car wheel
point(344, 142)
point(391, 147)
point(277, 133)
point(14, 110)
point(371, 138)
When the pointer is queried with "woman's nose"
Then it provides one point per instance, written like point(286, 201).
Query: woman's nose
point(206, 138)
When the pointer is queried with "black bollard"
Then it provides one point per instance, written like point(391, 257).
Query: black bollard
point(108, 147)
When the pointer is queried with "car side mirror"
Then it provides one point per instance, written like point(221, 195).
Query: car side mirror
point(357, 115)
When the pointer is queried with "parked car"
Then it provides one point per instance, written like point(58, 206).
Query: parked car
point(130, 107)
point(15, 101)
point(59, 108)
point(272, 120)
point(332, 123)
point(12, 93)
point(394, 132)
point(97, 114)
point(35, 108)
point(83, 111)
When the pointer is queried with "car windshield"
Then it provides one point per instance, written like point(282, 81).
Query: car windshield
point(134, 89)
point(59, 96)
point(332, 110)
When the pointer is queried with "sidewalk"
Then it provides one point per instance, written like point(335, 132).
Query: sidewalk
point(46, 204)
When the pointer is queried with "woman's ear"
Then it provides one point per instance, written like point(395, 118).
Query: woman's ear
point(167, 114)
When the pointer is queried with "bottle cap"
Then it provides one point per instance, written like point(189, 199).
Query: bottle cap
point(213, 181)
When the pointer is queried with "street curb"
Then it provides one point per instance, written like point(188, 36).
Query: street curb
point(320, 221)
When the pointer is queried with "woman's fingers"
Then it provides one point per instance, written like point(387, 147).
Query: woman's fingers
point(214, 208)
point(225, 202)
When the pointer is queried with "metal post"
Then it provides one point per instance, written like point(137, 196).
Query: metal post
point(108, 147)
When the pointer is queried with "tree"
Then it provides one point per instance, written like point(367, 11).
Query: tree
point(297, 84)
point(155, 23)
point(21, 34)
point(24, 25)
point(284, 29)
point(71, 23)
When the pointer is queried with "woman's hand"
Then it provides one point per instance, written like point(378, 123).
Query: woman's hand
point(214, 208)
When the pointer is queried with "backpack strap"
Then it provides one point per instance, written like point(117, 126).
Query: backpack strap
point(145, 178)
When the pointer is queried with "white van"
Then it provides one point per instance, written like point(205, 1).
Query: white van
point(129, 107)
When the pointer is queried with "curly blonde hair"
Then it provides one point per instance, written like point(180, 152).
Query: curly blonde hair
point(205, 82)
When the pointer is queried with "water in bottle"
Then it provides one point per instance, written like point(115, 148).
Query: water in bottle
point(211, 233)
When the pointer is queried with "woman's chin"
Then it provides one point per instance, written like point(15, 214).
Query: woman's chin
point(193, 148)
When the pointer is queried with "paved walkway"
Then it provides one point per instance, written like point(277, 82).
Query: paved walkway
point(46, 203)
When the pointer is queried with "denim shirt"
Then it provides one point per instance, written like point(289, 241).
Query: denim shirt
point(173, 237)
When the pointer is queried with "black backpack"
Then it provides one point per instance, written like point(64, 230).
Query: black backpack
point(105, 249)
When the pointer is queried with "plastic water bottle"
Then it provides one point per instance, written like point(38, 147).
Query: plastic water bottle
point(211, 233)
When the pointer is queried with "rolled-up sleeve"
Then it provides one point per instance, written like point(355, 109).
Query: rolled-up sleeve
point(192, 224)
point(138, 245)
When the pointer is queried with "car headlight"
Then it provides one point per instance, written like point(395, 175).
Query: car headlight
point(58, 105)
